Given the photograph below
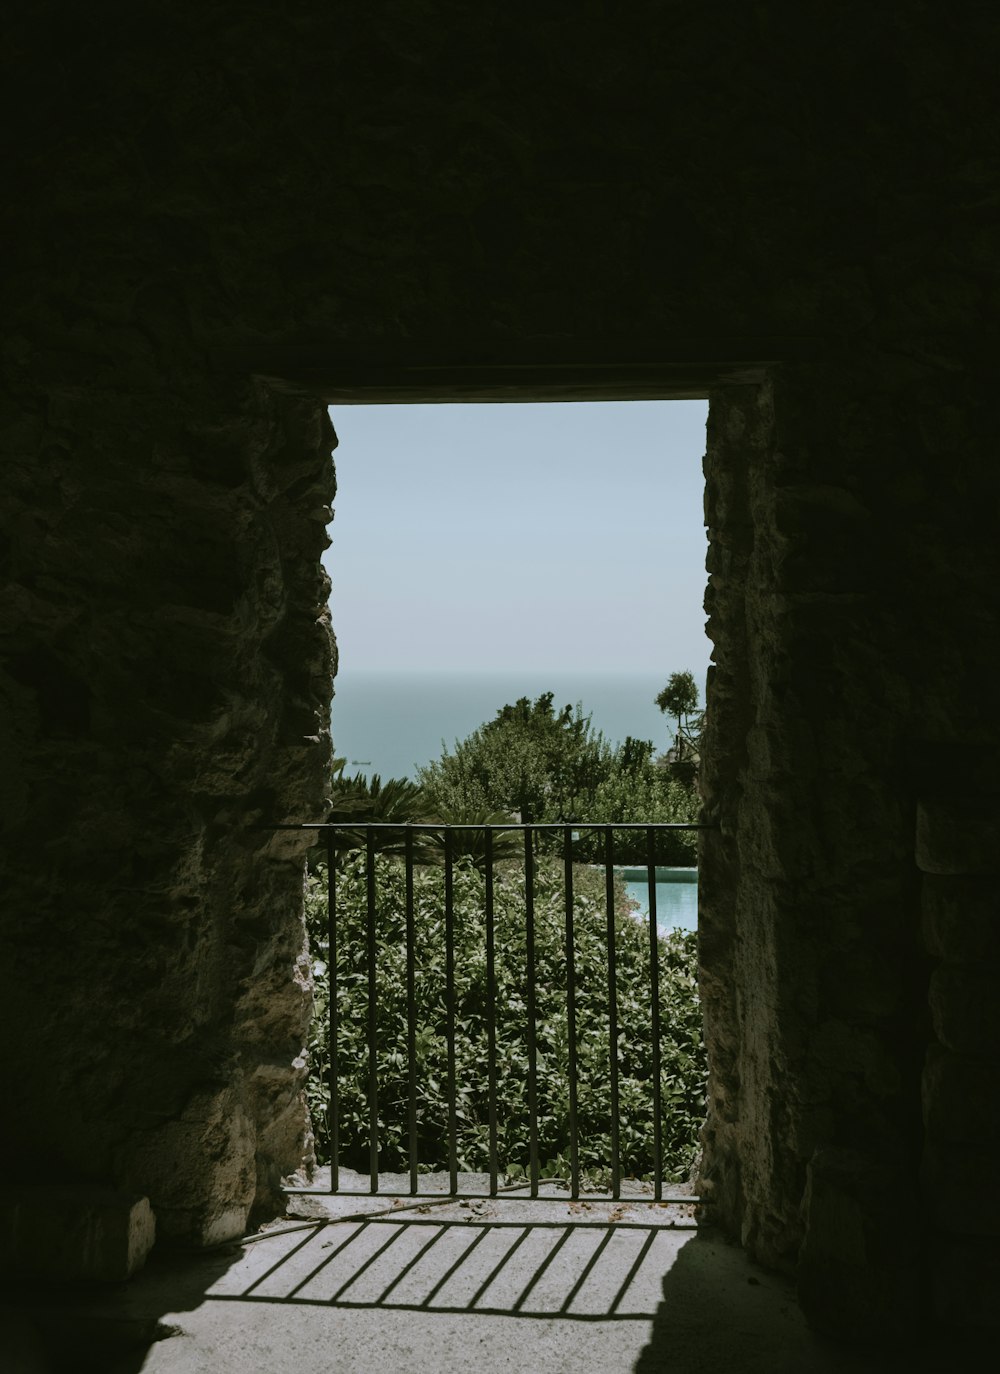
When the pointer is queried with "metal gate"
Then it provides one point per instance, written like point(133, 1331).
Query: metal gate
point(549, 937)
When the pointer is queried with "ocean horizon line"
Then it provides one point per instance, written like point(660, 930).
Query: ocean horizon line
point(504, 672)
point(393, 722)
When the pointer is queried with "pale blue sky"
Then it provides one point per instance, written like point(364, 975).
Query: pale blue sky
point(537, 537)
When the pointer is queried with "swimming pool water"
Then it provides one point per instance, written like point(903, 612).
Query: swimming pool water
point(676, 896)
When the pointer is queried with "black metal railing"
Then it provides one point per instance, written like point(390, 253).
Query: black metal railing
point(357, 859)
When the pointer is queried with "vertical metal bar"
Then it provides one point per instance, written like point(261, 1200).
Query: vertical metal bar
point(609, 892)
point(574, 1144)
point(333, 1027)
point(372, 956)
point(449, 995)
point(491, 1011)
point(529, 942)
point(411, 1014)
point(654, 980)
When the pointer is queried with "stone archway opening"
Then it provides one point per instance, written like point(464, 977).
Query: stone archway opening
point(774, 1169)
point(531, 437)
point(487, 383)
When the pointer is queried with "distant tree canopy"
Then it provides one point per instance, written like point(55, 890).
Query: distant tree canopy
point(679, 699)
point(531, 762)
point(680, 696)
point(538, 763)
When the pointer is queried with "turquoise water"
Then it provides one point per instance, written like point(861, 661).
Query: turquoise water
point(676, 896)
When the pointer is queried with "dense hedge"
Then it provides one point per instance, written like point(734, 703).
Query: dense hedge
point(683, 1061)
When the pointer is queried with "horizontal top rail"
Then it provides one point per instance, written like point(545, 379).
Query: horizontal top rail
point(489, 825)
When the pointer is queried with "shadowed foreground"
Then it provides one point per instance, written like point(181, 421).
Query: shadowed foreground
point(559, 1288)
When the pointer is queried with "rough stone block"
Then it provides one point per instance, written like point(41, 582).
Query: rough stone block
point(961, 1097)
point(960, 918)
point(200, 1169)
point(958, 835)
point(961, 1189)
point(965, 1009)
point(84, 1233)
point(965, 1281)
point(857, 1262)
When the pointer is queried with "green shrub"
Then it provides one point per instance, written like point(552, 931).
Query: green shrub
point(683, 1062)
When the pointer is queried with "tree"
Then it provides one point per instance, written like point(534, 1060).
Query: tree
point(549, 765)
point(680, 699)
point(530, 760)
point(360, 801)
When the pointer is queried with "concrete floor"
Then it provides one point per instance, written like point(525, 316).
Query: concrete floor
point(437, 1296)
point(556, 1287)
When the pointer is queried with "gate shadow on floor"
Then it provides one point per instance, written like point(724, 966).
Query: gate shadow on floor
point(582, 1271)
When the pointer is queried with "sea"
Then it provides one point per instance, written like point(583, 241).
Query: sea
point(393, 722)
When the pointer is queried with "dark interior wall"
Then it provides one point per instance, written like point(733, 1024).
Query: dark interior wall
point(166, 687)
point(435, 178)
point(203, 194)
point(850, 588)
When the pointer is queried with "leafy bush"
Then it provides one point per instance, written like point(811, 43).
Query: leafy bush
point(648, 794)
point(531, 759)
point(683, 1063)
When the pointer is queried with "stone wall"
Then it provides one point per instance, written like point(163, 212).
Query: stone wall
point(838, 694)
point(443, 182)
point(806, 948)
point(202, 197)
point(167, 688)
point(958, 854)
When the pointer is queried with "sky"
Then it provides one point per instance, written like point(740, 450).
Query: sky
point(563, 536)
